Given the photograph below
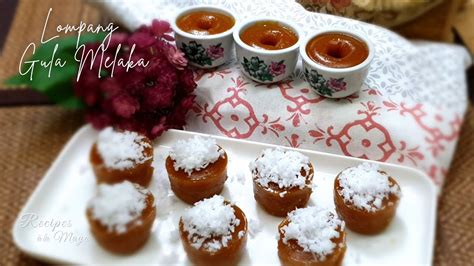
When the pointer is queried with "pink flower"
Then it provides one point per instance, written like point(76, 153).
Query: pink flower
point(159, 128)
point(118, 38)
point(187, 80)
point(141, 40)
point(336, 84)
point(277, 68)
point(215, 51)
point(340, 4)
point(161, 29)
point(125, 105)
point(176, 57)
point(98, 119)
point(111, 87)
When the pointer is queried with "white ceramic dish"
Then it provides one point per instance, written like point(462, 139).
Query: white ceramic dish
point(266, 66)
point(336, 82)
point(61, 233)
point(205, 51)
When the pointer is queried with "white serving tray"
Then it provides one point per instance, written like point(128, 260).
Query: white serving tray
point(52, 225)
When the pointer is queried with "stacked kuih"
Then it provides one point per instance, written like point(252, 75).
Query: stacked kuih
point(281, 180)
point(366, 198)
point(197, 169)
point(122, 155)
point(312, 236)
point(121, 216)
point(214, 232)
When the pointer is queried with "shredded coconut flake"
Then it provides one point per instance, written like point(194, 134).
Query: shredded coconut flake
point(117, 205)
point(195, 153)
point(282, 167)
point(255, 227)
point(365, 187)
point(121, 150)
point(313, 228)
point(210, 223)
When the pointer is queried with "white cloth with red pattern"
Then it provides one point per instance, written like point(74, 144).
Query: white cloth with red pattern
point(409, 111)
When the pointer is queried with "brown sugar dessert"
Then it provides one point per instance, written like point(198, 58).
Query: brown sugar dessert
point(312, 236)
point(337, 50)
point(205, 22)
point(269, 35)
point(281, 180)
point(214, 232)
point(121, 216)
point(366, 198)
point(122, 155)
point(197, 169)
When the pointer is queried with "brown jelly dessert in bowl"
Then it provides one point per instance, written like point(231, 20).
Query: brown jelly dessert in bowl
point(197, 168)
point(281, 180)
point(205, 22)
point(204, 34)
point(337, 50)
point(121, 216)
point(269, 35)
point(336, 62)
point(267, 48)
point(366, 198)
point(214, 232)
point(117, 156)
point(311, 236)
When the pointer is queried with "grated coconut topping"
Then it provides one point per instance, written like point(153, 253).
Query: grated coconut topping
point(313, 228)
point(210, 223)
point(365, 187)
point(117, 205)
point(282, 167)
point(121, 150)
point(195, 153)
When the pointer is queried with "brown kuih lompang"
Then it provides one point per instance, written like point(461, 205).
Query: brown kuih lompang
point(366, 198)
point(119, 156)
point(307, 227)
point(212, 251)
point(197, 169)
point(106, 214)
point(282, 180)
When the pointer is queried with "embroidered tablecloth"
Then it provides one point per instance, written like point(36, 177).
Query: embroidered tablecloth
point(409, 111)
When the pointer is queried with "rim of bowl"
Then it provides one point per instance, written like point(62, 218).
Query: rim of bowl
point(356, 35)
point(186, 10)
point(248, 22)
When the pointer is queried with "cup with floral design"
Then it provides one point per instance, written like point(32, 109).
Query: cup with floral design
point(266, 66)
point(333, 82)
point(205, 51)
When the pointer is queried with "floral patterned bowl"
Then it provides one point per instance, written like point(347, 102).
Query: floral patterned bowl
point(266, 66)
point(205, 51)
point(335, 82)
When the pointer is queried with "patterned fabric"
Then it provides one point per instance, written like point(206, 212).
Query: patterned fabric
point(409, 111)
point(387, 13)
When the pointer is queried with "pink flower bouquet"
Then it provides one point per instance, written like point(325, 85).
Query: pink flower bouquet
point(147, 99)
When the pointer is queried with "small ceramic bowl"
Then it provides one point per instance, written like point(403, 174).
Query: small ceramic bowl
point(266, 66)
point(205, 51)
point(335, 82)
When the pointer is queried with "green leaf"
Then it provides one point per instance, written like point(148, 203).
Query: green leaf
point(72, 103)
point(17, 80)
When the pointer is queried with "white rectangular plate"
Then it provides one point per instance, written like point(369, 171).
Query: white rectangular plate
point(52, 225)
